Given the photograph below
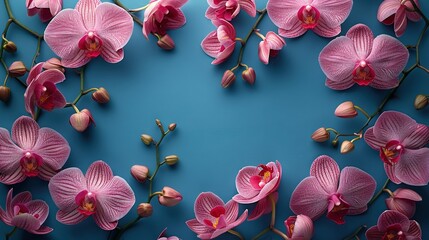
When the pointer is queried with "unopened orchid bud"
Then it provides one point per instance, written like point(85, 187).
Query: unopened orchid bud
point(81, 120)
point(4, 93)
point(166, 42)
point(53, 63)
point(17, 69)
point(171, 159)
point(346, 147)
point(172, 126)
point(159, 124)
point(101, 95)
point(140, 173)
point(169, 197)
point(346, 110)
point(249, 75)
point(146, 139)
point(228, 78)
point(145, 210)
point(320, 135)
point(403, 201)
point(335, 142)
point(10, 46)
point(421, 101)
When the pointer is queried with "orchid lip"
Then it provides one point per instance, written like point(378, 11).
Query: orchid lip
point(363, 74)
point(391, 152)
point(309, 16)
point(30, 164)
point(87, 202)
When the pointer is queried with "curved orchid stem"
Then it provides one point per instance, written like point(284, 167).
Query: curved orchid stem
point(82, 91)
point(21, 25)
point(8, 235)
point(135, 18)
point(379, 192)
point(233, 232)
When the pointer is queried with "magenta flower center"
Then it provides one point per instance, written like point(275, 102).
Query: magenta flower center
point(394, 232)
point(391, 153)
point(91, 44)
point(86, 202)
point(45, 95)
point(227, 12)
point(218, 220)
point(30, 164)
point(309, 16)
point(264, 176)
point(363, 74)
point(338, 209)
point(290, 224)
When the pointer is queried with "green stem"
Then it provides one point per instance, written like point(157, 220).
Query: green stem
point(17, 22)
point(82, 92)
point(273, 211)
point(278, 232)
point(423, 68)
point(135, 18)
point(8, 235)
point(120, 231)
point(419, 11)
point(362, 111)
point(260, 234)
point(355, 233)
point(138, 9)
point(3, 36)
point(236, 234)
point(158, 164)
point(39, 42)
point(378, 193)
point(7, 72)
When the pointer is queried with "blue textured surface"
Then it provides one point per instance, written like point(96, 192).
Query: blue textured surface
point(219, 131)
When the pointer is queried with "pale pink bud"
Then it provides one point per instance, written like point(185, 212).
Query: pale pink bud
point(249, 75)
point(140, 172)
point(81, 120)
point(346, 147)
point(10, 46)
point(53, 63)
point(172, 126)
point(17, 69)
point(346, 110)
point(421, 101)
point(145, 210)
point(169, 197)
point(101, 95)
point(4, 93)
point(403, 201)
point(166, 42)
point(320, 135)
point(228, 78)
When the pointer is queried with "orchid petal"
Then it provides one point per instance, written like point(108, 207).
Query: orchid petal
point(413, 167)
point(9, 152)
point(103, 223)
point(87, 10)
point(78, 59)
point(418, 138)
point(392, 125)
point(231, 211)
point(284, 13)
point(356, 187)
point(391, 173)
point(404, 206)
point(71, 217)
point(362, 38)
point(64, 187)
point(389, 217)
point(197, 227)
point(334, 12)
point(400, 22)
point(324, 29)
point(46, 172)
point(110, 55)
point(34, 72)
point(407, 194)
point(210, 44)
point(374, 234)
point(295, 31)
point(232, 225)
point(55, 6)
point(309, 198)
point(242, 182)
point(25, 132)
point(26, 221)
point(384, 84)
point(176, 19)
point(275, 41)
point(45, 14)
point(39, 208)
point(52, 147)
point(303, 228)
point(174, 3)
point(204, 203)
point(264, 52)
point(327, 172)
point(387, 9)
point(98, 175)
point(248, 6)
point(372, 140)
point(20, 198)
point(340, 85)
point(415, 230)
point(14, 175)
point(225, 54)
point(42, 230)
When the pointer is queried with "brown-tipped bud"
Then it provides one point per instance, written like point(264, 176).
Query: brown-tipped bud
point(171, 159)
point(81, 120)
point(166, 42)
point(53, 63)
point(172, 126)
point(421, 101)
point(139, 173)
point(146, 139)
point(249, 75)
point(346, 147)
point(169, 197)
point(101, 95)
point(145, 210)
point(320, 135)
point(10, 46)
point(159, 124)
point(228, 78)
point(4, 93)
point(17, 69)
point(346, 110)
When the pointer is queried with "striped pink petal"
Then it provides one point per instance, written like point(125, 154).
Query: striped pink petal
point(327, 172)
point(98, 176)
point(356, 187)
point(25, 132)
point(52, 147)
point(65, 186)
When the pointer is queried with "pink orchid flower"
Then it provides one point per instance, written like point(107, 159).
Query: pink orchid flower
point(404, 201)
point(345, 193)
point(400, 141)
point(220, 43)
point(255, 183)
point(394, 225)
point(91, 29)
point(163, 236)
point(98, 193)
point(229, 9)
point(360, 58)
point(47, 9)
point(42, 91)
point(264, 206)
point(295, 17)
point(397, 12)
point(163, 15)
point(270, 46)
point(213, 216)
point(23, 212)
point(299, 227)
point(32, 151)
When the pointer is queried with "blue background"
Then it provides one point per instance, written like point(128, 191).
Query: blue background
point(219, 130)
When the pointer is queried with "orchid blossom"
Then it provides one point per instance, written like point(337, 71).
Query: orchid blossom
point(270, 46)
point(23, 212)
point(220, 44)
point(98, 193)
point(91, 29)
point(213, 216)
point(397, 12)
point(42, 91)
point(360, 58)
point(32, 151)
point(404, 201)
point(295, 17)
point(229, 9)
point(400, 141)
point(299, 227)
point(394, 225)
point(340, 193)
point(47, 9)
